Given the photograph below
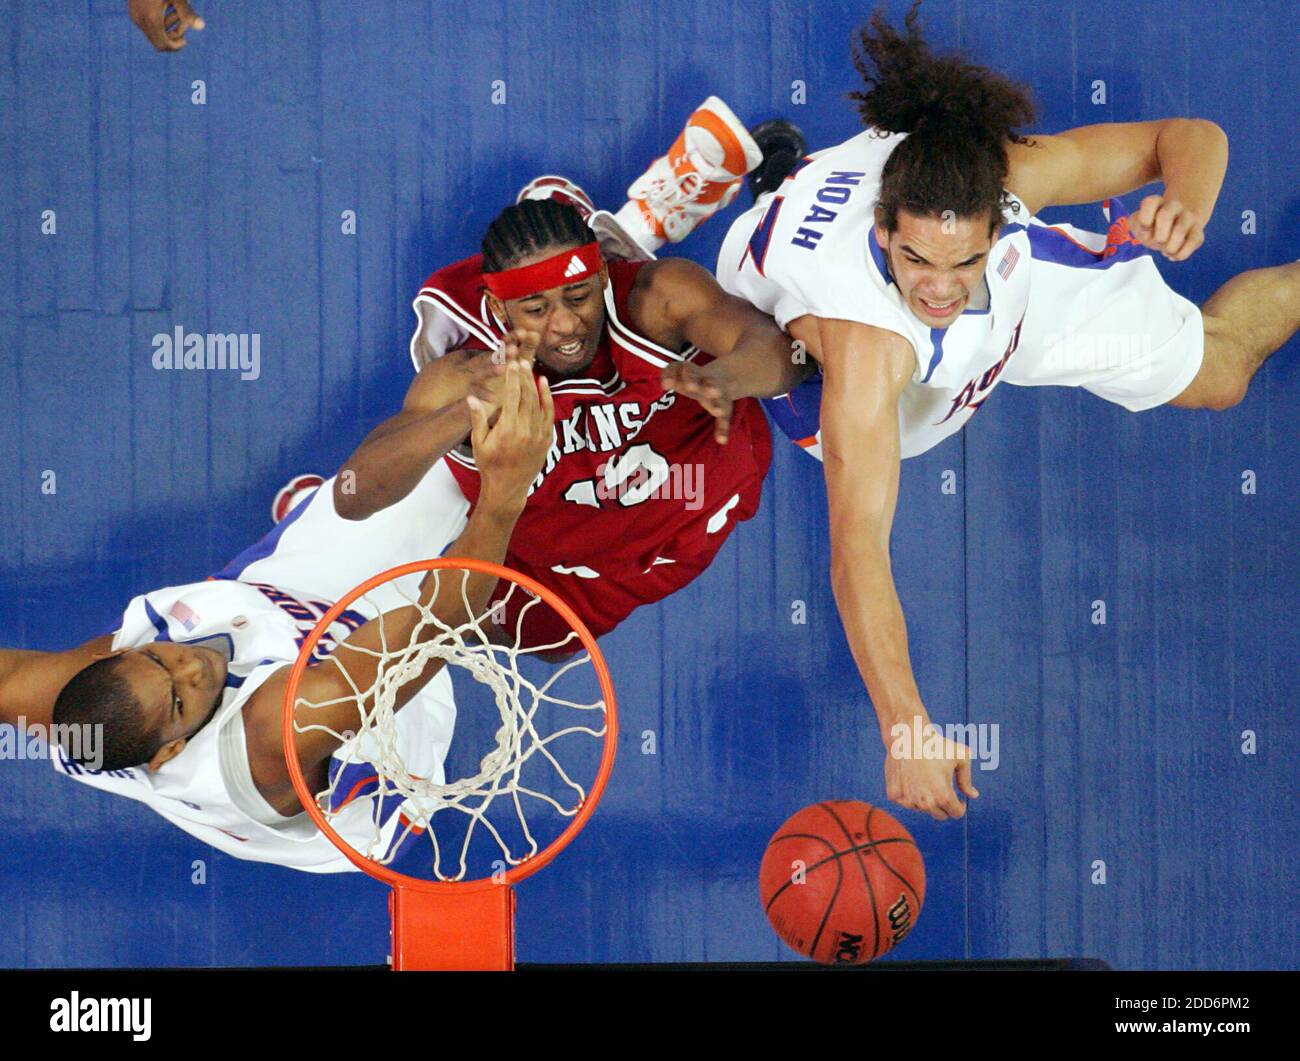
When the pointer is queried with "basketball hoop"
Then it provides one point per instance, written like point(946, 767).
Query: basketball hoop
point(452, 919)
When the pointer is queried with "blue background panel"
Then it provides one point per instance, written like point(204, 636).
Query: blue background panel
point(1119, 743)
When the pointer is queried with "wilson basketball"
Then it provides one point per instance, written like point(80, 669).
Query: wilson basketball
point(842, 882)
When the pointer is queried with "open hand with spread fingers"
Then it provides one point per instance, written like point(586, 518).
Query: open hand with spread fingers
point(488, 374)
point(510, 453)
point(710, 389)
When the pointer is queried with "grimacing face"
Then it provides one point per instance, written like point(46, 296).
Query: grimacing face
point(936, 262)
point(569, 319)
point(178, 686)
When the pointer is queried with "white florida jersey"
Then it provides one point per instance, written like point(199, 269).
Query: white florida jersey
point(206, 789)
point(809, 249)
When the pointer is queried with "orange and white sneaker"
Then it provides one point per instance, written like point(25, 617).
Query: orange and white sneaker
point(699, 176)
point(292, 494)
point(562, 190)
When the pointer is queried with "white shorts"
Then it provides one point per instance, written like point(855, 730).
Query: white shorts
point(1101, 317)
point(315, 550)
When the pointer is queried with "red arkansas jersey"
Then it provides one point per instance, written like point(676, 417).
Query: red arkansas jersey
point(635, 497)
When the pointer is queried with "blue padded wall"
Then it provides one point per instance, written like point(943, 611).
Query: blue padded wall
point(1119, 742)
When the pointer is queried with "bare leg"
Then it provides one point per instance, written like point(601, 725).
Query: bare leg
point(1246, 320)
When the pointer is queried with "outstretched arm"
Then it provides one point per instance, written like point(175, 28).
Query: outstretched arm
point(30, 681)
point(1092, 162)
point(753, 358)
point(509, 456)
point(434, 419)
point(866, 370)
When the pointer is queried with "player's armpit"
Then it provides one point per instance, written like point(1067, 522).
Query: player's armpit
point(266, 765)
point(667, 294)
point(263, 726)
point(323, 683)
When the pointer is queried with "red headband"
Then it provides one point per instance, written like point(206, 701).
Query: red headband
point(567, 267)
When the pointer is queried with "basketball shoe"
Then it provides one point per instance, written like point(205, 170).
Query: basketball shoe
point(783, 146)
point(700, 175)
point(292, 494)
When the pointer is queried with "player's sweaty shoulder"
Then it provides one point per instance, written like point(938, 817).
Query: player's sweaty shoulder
point(839, 343)
point(446, 380)
point(667, 294)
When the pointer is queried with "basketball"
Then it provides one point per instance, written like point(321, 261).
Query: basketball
point(842, 882)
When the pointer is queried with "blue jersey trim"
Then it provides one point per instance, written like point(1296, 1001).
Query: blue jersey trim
point(1053, 245)
point(797, 167)
point(878, 256)
point(798, 413)
point(264, 547)
point(936, 338)
point(762, 237)
point(159, 623)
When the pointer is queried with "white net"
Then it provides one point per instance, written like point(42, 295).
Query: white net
point(540, 711)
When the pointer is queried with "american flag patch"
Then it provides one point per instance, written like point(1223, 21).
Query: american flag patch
point(1008, 262)
point(184, 615)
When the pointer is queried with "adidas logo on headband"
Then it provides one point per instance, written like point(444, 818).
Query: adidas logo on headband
point(555, 271)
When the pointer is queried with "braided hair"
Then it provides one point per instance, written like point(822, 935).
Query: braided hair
point(960, 117)
point(528, 227)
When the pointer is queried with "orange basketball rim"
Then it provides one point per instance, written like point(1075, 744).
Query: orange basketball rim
point(453, 924)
